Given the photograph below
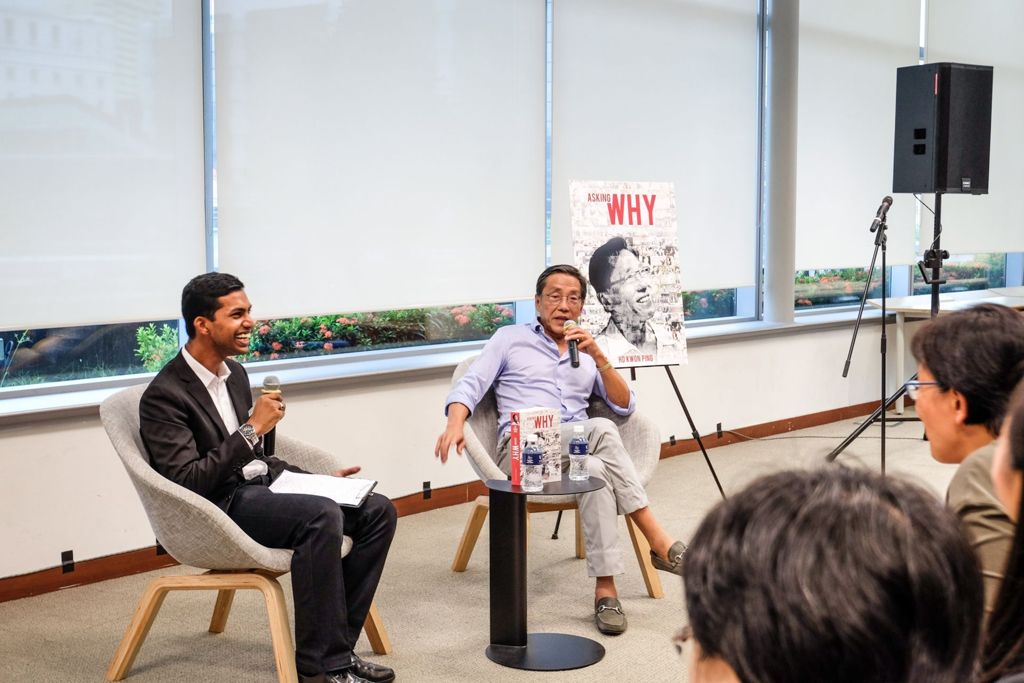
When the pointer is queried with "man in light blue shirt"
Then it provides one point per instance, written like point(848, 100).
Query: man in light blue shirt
point(528, 366)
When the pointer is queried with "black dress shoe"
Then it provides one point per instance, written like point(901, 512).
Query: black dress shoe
point(345, 676)
point(370, 671)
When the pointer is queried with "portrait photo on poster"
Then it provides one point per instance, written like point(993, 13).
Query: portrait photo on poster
point(625, 240)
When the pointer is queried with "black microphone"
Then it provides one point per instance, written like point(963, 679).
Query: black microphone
point(574, 347)
point(271, 385)
point(880, 215)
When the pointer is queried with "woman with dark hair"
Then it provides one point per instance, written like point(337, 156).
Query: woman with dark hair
point(1003, 652)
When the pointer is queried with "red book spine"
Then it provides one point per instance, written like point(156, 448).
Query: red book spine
point(515, 449)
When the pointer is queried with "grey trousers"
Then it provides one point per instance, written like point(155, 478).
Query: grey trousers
point(599, 510)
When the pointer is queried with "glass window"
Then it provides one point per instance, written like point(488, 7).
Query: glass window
point(965, 272)
point(832, 287)
point(318, 335)
point(59, 354)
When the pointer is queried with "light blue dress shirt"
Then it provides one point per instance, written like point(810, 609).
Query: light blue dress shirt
point(523, 364)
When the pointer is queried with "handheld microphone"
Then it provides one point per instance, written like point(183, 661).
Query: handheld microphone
point(271, 385)
point(880, 214)
point(574, 348)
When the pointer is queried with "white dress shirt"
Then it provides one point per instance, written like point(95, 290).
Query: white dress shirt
point(217, 387)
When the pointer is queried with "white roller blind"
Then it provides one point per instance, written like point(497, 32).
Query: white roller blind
point(101, 160)
point(849, 53)
point(987, 33)
point(664, 90)
point(380, 154)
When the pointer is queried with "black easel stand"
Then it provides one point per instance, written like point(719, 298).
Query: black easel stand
point(693, 431)
point(933, 259)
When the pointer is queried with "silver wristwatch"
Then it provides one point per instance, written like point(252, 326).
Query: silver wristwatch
point(249, 432)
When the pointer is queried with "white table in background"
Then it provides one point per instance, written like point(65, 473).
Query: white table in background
point(920, 306)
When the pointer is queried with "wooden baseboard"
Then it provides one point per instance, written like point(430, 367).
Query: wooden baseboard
point(760, 431)
point(440, 498)
point(147, 559)
point(86, 571)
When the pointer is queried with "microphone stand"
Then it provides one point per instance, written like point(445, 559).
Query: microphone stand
point(879, 414)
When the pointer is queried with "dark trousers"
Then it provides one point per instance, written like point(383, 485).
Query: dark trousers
point(332, 595)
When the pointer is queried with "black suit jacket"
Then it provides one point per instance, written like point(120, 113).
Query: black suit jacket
point(187, 441)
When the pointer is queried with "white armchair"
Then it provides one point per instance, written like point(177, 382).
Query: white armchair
point(196, 532)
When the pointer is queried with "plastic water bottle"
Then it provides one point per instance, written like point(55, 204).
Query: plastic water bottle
point(532, 465)
point(579, 447)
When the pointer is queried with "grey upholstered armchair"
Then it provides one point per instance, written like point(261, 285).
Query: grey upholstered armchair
point(639, 434)
point(196, 532)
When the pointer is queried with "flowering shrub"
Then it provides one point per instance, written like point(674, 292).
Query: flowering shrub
point(318, 335)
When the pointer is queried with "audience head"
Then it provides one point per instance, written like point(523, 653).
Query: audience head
point(835, 575)
point(1003, 652)
point(201, 297)
point(623, 286)
point(974, 358)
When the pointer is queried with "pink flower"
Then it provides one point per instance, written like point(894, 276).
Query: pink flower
point(328, 346)
point(255, 354)
point(276, 346)
point(328, 334)
point(462, 319)
point(264, 329)
point(273, 356)
point(497, 319)
point(300, 344)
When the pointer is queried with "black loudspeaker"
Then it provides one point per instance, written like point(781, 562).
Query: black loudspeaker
point(943, 128)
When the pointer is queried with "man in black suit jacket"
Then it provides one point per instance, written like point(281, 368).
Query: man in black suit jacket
point(203, 431)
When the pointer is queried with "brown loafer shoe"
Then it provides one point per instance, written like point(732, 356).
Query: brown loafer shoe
point(674, 563)
point(609, 617)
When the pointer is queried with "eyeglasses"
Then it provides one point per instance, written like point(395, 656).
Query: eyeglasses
point(681, 636)
point(644, 272)
point(555, 299)
point(914, 387)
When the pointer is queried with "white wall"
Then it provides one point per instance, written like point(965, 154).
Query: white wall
point(63, 488)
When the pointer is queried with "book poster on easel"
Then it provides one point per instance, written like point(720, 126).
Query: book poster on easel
point(625, 241)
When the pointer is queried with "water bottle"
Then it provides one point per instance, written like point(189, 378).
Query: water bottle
point(532, 465)
point(579, 447)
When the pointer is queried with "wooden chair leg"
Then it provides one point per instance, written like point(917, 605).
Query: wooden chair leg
point(643, 557)
point(138, 628)
point(472, 531)
point(376, 633)
point(225, 583)
point(581, 549)
point(221, 610)
point(280, 628)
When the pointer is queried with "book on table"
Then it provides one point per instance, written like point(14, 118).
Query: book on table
point(546, 424)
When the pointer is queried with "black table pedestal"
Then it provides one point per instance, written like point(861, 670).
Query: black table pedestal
point(548, 652)
point(510, 644)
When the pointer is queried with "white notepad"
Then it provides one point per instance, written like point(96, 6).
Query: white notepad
point(345, 491)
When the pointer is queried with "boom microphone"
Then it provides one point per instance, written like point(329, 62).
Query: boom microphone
point(880, 214)
point(271, 385)
point(574, 349)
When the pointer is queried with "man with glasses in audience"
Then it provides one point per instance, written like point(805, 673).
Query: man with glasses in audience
point(528, 366)
point(968, 364)
point(626, 289)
